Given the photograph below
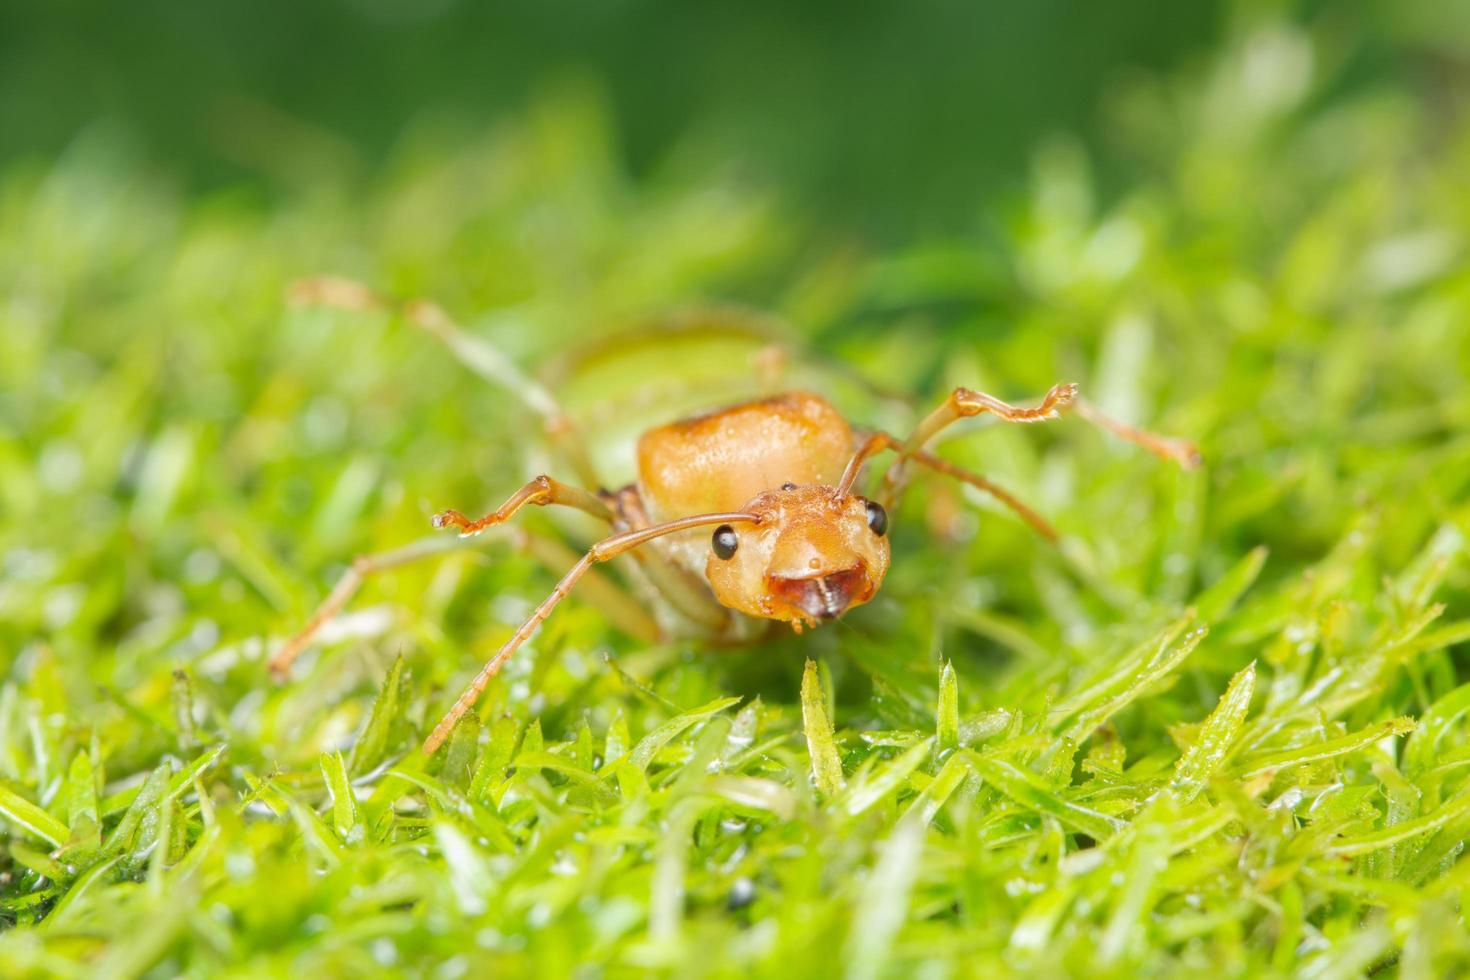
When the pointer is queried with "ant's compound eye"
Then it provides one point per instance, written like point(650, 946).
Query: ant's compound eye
point(877, 518)
point(725, 542)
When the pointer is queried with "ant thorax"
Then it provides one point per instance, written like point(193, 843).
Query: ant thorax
point(722, 460)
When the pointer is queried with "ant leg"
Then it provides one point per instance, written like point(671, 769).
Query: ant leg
point(615, 604)
point(362, 566)
point(961, 403)
point(690, 597)
point(688, 594)
point(543, 491)
point(871, 446)
point(490, 364)
point(1180, 451)
point(879, 441)
point(964, 403)
point(604, 550)
point(1037, 522)
point(473, 352)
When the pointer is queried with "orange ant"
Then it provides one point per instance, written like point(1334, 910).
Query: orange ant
point(774, 479)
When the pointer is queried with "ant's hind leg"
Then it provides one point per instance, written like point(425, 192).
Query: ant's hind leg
point(362, 567)
point(619, 608)
point(489, 363)
point(475, 353)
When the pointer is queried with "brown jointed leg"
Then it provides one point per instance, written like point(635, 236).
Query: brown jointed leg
point(964, 403)
point(879, 441)
point(362, 567)
point(543, 491)
point(621, 610)
point(1037, 522)
point(473, 352)
point(604, 550)
point(1180, 451)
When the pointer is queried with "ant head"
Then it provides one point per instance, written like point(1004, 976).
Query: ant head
point(812, 555)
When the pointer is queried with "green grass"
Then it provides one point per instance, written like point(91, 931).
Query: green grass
point(1222, 728)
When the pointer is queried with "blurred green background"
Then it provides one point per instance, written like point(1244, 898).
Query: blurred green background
point(888, 119)
point(1242, 222)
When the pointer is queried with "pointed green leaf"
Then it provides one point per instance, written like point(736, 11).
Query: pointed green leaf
point(1027, 789)
point(1317, 752)
point(81, 795)
point(30, 818)
point(650, 744)
point(887, 778)
point(947, 726)
point(821, 743)
point(1216, 736)
point(1388, 836)
point(370, 748)
point(344, 801)
point(1216, 602)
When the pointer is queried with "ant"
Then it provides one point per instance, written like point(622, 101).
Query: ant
point(742, 515)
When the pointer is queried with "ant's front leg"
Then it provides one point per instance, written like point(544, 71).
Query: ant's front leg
point(1180, 451)
point(893, 489)
point(963, 403)
point(543, 491)
point(605, 550)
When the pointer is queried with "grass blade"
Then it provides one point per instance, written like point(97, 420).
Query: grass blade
point(861, 796)
point(820, 740)
point(1388, 836)
point(1216, 602)
point(30, 818)
point(1026, 789)
point(1216, 736)
point(344, 801)
point(1084, 712)
point(1351, 742)
point(369, 749)
point(469, 873)
point(884, 903)
point(947, 721)
point(650, 745)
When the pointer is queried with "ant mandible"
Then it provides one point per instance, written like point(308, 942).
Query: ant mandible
point(774, 478)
